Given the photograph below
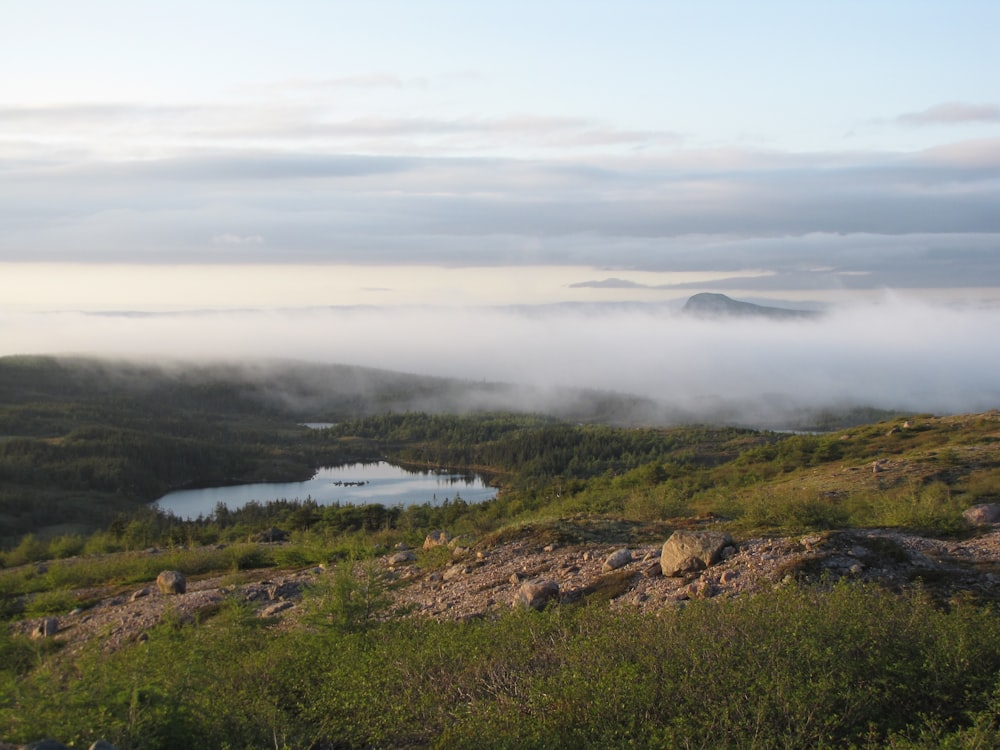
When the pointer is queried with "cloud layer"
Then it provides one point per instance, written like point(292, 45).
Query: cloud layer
point(405, 190)
point(895, 353)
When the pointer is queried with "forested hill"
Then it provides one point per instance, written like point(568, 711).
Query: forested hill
point(290, 390)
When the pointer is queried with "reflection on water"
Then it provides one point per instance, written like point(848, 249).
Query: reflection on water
point(354, 484)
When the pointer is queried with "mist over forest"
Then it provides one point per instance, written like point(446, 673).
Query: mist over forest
point(892, 353)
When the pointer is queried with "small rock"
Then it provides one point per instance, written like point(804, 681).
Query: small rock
point(272, 609)
point(47, 628)
point(728, 576)
point(102, 745)
point(617, 559)
point(138, 595)
point(536, 593)
point(455, 571)
point(517, 577)
point(982, 514)
point(653, 570)
point(436, 538)
point(171, 582)
point(402, 557)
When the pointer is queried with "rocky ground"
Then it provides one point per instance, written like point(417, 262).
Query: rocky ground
point(457, 582)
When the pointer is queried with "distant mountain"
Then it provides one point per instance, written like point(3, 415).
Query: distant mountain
point(710, 305)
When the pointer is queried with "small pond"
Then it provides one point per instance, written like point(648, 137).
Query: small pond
point(352, 484)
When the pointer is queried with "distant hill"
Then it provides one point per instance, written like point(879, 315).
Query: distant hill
point(710, 305)
point(290, 390)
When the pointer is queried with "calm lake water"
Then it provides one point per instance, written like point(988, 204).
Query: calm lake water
point(354, 484)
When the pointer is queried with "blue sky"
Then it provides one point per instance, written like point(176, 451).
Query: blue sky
point(841, 145)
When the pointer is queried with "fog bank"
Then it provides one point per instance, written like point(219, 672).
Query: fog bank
point(895, 353)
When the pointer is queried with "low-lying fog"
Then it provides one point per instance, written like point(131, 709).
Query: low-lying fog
point(896, 353)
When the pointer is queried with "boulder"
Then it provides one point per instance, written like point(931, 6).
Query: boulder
point(983, 514)
point(690, 551)
point(45, 745)
point(437, 538)
point(171, 582)
point(536, 593)
point(617, 559)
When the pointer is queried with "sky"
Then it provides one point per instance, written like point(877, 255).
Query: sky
point(163, 161)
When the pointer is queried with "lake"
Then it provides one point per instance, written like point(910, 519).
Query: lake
point(352, 484)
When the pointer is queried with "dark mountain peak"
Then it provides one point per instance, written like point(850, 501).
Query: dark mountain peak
point(712, 305)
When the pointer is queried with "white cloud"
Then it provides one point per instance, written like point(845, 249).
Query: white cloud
point(237, 239)
point(951, 113)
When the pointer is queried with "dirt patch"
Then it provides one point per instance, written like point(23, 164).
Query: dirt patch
point(482, 580)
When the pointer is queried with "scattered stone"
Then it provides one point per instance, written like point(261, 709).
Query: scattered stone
point(171, 582)
point(811, 541)
point(436, 538)
point(728, 576)
point(455, 571)
point(402, 557)
point(549, 548)
point(690, 551)
point(47, 628)
point(139, 594)
point(617, 559)
point(536, 593)
point(982, 514)
point(517, 577)
point(653, 570)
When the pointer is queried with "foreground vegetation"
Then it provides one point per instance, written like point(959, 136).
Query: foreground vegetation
point(798, 667)
point(818, 665)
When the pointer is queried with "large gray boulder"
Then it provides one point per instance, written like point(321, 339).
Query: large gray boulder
point(171, 582)
point(690, 551)
point(536, 593)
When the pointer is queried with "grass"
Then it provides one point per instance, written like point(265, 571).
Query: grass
point(799, 667)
